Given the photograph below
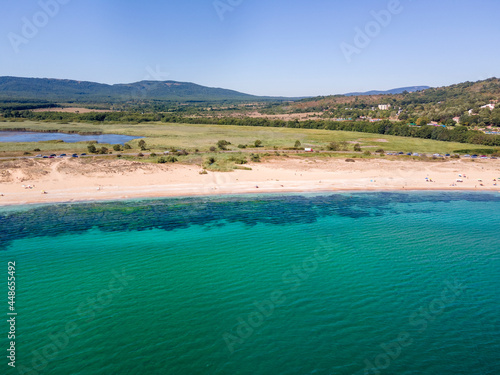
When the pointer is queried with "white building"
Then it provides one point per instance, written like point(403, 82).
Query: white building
point(491, 107)
point(384, 107)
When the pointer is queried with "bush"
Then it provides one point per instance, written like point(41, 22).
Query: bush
point(212, 149)
point(350, 161)
point(242, 146)
point(140, 155)
point(367, 153)
point(258, 143)
point(222, 144)
point(332, 146)
point(211, 160)
point(142, 145)
point(117, 147)
point(153, 155)
point(255, 158)
point(455, 156)
point(27, 153)
point(297, 144)
point(36, 149)
point(380, 151)
point(103, 150)
point(357, 147)
point(168, 159)
point(127, 146)
point(203, 172)
point(92, 149)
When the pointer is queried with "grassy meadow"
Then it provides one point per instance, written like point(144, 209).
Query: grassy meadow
point(162, 136)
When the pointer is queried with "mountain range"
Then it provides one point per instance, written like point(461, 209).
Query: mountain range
point(13, 88)
point(393, 91)
point(65, 90)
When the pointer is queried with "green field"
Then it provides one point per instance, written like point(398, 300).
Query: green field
point(161, 136)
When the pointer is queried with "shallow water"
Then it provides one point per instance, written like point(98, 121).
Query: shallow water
point(12, 136)
point(408, 283)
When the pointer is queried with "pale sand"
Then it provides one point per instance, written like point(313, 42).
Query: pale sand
point(70, 180)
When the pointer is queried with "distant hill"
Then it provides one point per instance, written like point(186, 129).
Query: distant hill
point(393, 91)
point(63, 90)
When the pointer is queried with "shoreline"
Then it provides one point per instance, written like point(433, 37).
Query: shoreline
point(78, 181)
point(236, 194)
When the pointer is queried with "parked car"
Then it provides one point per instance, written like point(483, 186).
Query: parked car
point(75, 155)
point(62, 155)
point(38, 156)
point(448, 155)
point(84, 154)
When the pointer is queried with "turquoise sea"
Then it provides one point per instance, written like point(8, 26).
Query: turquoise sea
point(347, 283)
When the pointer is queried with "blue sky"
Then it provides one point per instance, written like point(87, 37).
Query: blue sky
point(262, 47)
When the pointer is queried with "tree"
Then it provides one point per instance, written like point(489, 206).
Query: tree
point(258, 143)
point(357, 147)
point(297, 144)
point(222, 144)
point(421, 121)
point(142, 145)
point(92, 149)
point(332, 146)
point(117, 147)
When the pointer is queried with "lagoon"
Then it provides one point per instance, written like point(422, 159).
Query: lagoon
point(21, 136)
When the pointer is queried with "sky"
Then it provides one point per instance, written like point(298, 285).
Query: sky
point(262, 47)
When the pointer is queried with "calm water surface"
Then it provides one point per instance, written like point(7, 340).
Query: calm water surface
point(365, 283)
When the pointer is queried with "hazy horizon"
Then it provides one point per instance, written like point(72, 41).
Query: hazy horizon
point(281, 48)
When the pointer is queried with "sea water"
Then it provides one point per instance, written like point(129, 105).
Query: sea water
point(363, 283)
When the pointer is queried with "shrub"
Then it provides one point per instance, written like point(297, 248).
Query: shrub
point(119, 155)
point(255, 158)
point(36, 149)
point(127, 146)
point(153, 155)
point(211, 160)
point(92, 149)
point(332, 146)
point(140, 155)
point(350, 160)
point(142, 144)
point(380, 150)
point(242, 146)
point(258, 143)
point(455, 156)
point(222, 144)
point(357, 147)
point(212, 149)
point(367, 153)
point(27, 153)
point(103, 150)
point(117, 147)
point(297, 144)
point(203, 172)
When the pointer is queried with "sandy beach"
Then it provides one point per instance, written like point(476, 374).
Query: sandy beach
point(70, 180)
